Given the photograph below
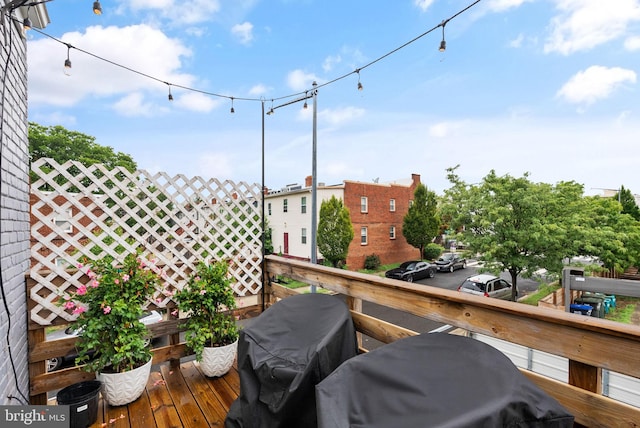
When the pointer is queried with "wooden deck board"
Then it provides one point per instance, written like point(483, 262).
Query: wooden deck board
point(175, 399)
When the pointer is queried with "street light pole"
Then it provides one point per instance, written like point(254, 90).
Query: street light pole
point(314, 182)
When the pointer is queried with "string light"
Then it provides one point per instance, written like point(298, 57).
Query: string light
point(306, 94)
point(232, 109)
point(26, 24)
point(170, 96)
point(67, 62)
point(98, 10)
point(443, 43)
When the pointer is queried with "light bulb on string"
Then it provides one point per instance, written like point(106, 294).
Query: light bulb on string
point(67, 62)
point(170, 96)
point(359, 84)
point(271, 111)
point(306, 94)
point(97, 8)
point(232, 109)
point(443, 43)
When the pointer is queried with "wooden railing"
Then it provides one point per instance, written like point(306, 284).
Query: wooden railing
point(590, 344)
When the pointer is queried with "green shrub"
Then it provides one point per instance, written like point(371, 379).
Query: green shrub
point(372, 262)
point(432, 251)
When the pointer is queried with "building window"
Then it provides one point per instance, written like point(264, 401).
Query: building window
point(392, 232)
point(303, 205)
point(410, 203)
point(285, 206)
point(269, 208)
point(363, 236)
point(62, 221)
point(304, 235)
point(392, 205)
point(364, 205)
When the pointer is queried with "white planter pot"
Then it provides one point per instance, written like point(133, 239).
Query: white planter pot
point(217, 361)
point(123, 388)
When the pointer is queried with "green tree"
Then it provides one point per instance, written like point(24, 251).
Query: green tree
point(628, 202)
point(60, 144)
point(613, 236)
point(516, 225)
point(421, 223)
point(335, 231)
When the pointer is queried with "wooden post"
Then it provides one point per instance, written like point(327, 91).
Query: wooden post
point(356, 305)
point(586, 377)
point(38, 367)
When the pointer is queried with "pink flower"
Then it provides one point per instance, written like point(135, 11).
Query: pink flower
point(106, 309)
point(116, 281)
point(203, 292)
point(125, 278)
point(91, 274)
point(69, 305)
point(79, 310)
point(82, 290)
point(174, 312)
point(80, 265)
point(94, 283)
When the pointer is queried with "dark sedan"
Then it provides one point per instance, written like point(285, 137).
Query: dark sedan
point(448, 262)
point(409, 271)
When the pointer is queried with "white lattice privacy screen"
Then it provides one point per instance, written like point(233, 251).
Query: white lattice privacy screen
point(79, 211)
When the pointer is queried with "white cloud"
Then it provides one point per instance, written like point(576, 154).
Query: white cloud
point(517, 42)
point(423, 5)
point(196, 101)
point(632, 43)
point(503, 5)
point(341, 115)
point(595, 83)
point(243, 32)
point(330, 62)
point(215, 165)
point(258, 90)
point(133, 105)
point(138, 47)
point(189, 12)
point(584, 24)
point(298, 80)
point(442, 129)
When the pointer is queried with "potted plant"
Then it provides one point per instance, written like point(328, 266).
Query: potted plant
point(210, 328)
point(112, 339)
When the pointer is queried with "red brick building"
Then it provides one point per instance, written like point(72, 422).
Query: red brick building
point(377, 211)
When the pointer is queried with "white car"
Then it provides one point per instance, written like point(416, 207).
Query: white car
point(487, 285)
point(55, 363)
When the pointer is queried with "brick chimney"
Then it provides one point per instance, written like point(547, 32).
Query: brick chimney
point(308, 181)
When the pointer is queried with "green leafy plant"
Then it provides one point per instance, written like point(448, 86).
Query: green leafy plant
point(372, 262)
point(111, 336)
point(208, 300)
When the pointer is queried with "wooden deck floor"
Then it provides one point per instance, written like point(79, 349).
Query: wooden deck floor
point(175, 398)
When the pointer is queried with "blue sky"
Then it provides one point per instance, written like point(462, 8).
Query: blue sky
point(548, 87)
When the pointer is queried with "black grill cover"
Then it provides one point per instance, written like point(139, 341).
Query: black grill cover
point(434, 380)
point(283, 354)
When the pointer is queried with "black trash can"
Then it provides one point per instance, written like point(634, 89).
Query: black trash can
point(82, 399)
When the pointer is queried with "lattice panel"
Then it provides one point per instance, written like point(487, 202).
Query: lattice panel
point(79, 211)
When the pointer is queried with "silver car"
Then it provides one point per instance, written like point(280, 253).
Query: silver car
point(487, 285)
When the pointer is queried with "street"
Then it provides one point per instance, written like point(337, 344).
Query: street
point(446, 280)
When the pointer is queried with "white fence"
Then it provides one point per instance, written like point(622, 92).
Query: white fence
point(93, 212)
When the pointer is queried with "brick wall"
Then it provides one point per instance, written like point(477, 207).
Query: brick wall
point(14, 218)
point(378, 219)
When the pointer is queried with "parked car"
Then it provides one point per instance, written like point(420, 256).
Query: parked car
point(448, 262)
point(55, 363)
point(487, 285)
point(411, 270)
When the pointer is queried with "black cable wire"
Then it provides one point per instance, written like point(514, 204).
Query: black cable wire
point(2, 290)
point(297, 94)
